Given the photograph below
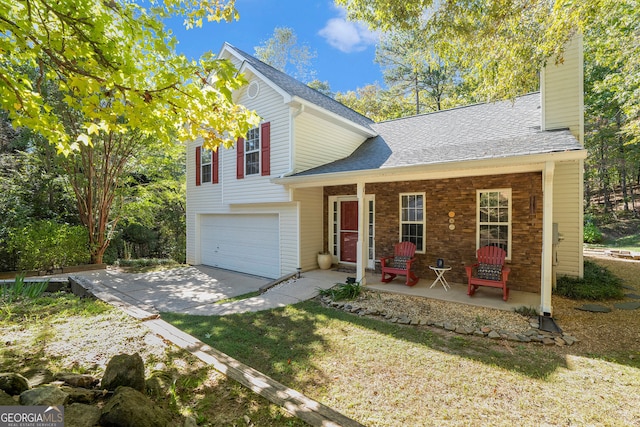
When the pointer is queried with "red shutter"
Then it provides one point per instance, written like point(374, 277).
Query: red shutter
point(240, 158)
point(265, 147)
point(215, 166)
point(198, 154)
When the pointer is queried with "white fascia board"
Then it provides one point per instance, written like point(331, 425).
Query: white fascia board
point(246, 66)
point(506, 165)
point(312, 108)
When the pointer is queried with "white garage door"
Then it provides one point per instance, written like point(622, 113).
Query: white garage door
point(245, 243)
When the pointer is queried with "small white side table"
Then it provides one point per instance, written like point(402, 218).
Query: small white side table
point(440, 277)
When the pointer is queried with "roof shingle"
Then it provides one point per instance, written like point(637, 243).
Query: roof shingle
point(475, 132)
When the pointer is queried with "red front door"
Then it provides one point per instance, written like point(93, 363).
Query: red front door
point(348, 231)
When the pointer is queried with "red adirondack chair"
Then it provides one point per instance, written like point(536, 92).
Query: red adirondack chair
point(400, 263)
point(489, 271)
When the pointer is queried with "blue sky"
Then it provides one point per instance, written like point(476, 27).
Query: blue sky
point(345, 50)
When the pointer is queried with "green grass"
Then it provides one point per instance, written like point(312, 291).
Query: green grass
point(64, 333)
point(598, 284)
point(385, 374)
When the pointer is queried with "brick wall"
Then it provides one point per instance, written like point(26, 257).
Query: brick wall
point(457, 247)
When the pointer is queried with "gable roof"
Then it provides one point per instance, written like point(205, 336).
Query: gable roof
point(476, 132)
point(295, 88)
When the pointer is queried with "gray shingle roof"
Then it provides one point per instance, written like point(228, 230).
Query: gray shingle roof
point(476, 132)
point(295, 88)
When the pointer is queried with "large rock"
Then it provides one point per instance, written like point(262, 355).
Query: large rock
point(13, 384)
point(77, 380)
point(80, 415)
point(38, 376)
point(7, 400)
point(130, 408)
point(124, 370)
point(47, 395)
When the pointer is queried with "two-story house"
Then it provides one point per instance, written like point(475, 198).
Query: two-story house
point(317, 176)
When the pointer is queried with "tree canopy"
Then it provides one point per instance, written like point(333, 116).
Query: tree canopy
point(282, 51)
point(503, 44)
point(115, 63)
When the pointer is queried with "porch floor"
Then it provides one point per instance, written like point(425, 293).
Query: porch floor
point(483, 297)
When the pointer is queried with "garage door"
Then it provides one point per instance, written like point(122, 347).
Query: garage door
point(245, 243)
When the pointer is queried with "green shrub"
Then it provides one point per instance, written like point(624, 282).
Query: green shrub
point(342, 291)
point(45, 245)
point(598, 284)
point(20, 289)
point(591, 232)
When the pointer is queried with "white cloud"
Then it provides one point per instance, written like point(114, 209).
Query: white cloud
point(347, 36)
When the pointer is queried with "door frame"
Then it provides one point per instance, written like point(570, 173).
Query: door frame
point(333, 229)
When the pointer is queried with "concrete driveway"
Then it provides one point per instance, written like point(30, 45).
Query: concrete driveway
point(196, 289)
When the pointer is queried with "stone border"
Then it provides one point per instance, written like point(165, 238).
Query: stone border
point(533, 335)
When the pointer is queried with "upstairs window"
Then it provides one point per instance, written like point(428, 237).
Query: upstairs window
point(205, 165)
point(252, 152)
point(494, 219)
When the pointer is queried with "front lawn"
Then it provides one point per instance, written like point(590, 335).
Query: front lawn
point(384, 374)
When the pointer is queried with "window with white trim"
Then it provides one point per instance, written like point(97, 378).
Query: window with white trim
point(205, 165)
point(494, 219)
point(252, 152)
point(412, 218)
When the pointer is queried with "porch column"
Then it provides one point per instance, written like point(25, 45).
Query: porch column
point(361, 261)
point(546, 285)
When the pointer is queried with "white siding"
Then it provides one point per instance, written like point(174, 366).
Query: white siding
point(256, 188)
point(567, 212)
point(311, 218)
point(562, 92)
point(318, 142)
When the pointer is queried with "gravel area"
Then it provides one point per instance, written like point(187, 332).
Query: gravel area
point(459, 315)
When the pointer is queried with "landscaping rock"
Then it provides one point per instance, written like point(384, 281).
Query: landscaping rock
point(38, 376)
point(494, 335)
point(80, 395)
point(632, 296)
point(80, 415)
point(77, 380)
point(6, 400)
point(13, 384)
point(47, 395)
point(124, 370)
point(159, 384)
point(130, 408)
point(594, 308)
point(627, 305)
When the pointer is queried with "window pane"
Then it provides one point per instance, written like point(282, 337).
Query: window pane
point(206, 156)
point(493, 219)
point(252, 152)
point(253, 163)
point(206, 173)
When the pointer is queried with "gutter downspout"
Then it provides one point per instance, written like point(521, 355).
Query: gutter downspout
point(546, 286)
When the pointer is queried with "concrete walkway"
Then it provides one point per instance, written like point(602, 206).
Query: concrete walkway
point(196, 289)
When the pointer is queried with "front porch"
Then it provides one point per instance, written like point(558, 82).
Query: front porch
point(484, 297)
